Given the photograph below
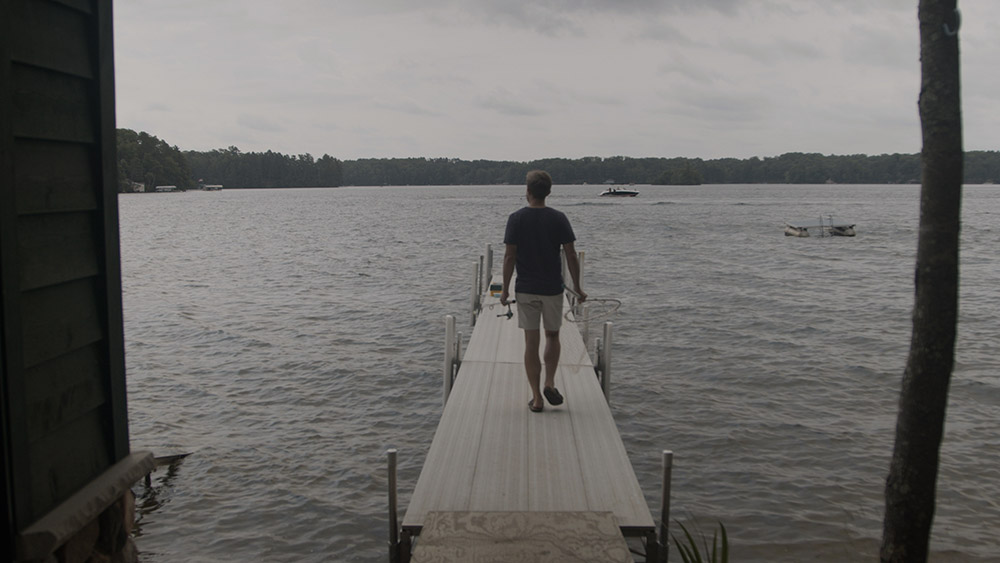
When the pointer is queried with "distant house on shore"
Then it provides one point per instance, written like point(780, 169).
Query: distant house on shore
point(160, 189)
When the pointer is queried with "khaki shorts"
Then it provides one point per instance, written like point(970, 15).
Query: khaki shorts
point(531, 307)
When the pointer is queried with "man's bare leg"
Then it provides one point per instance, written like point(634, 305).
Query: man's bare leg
point(553, 349)
point(533, 364)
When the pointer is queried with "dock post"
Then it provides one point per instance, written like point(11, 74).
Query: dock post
point(393, 512)
point(489, 269)
point(668, 463)
point(405, 547)
point(449, 355)
point(456, 359)
point(567, 282)
point(567, 279)
point(605, 359)
point(480, 276)
point(599, 361)
point(475, 291)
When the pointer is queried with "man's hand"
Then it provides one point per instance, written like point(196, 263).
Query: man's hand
point(582, 296)
point(504, 296)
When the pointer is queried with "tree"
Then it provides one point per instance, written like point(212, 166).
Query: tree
point(144, 158)
point(910, 487)
point(330, 171)
point(683, 174)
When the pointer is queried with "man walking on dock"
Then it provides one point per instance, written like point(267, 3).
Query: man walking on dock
point(533, 238)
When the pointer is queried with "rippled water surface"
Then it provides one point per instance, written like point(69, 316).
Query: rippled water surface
point(287, 338)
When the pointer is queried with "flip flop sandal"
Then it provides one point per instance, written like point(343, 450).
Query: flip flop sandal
point(553, 396)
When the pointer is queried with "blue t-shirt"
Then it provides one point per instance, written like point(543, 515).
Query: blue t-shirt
point(538, 232)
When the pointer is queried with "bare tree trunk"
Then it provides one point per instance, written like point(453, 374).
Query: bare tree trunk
point(910, 487)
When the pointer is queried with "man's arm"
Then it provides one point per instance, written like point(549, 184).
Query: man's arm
point(573, 264)
point(509, 260)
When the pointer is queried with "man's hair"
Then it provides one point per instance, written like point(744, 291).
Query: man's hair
point(539, 184)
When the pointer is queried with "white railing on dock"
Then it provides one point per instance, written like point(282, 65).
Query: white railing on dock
point(489, 270)
point(603, 366)
point(476, 295)
point(452, 355)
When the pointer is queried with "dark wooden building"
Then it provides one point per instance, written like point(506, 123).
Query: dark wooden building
point(66, 459)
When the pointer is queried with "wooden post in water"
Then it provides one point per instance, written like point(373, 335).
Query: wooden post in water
point(393, 512)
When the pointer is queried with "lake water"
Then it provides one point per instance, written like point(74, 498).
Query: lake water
point(287, 338)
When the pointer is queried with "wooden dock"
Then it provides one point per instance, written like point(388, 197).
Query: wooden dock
point(492, 455)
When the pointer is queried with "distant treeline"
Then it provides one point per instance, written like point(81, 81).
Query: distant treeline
point(146, 160)
point(789, 168)
point(235, 169)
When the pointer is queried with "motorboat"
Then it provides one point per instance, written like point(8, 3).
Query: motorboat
point(615, 191)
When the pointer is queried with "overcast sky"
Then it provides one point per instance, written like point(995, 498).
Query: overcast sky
point(523, 80)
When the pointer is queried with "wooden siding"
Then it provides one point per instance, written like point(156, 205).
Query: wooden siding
point(52, 106)
point(66, 459)
point(62, 338)
point(58, 248)
point(53, 177)
point(60, 319)
point(63, 390)
point(52, 20)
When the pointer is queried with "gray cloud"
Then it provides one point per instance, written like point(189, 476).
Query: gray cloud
point(506, 103)
point(410, 108)
point(513, 79)
point(259, 123)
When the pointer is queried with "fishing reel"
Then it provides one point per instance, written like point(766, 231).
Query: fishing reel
point(509, 313)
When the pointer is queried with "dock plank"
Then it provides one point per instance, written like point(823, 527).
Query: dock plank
point(556, 481)
point(455, 446)
point(502, 472)
point(610, 466)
